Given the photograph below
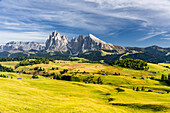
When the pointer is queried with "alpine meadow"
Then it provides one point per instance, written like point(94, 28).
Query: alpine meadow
point(84, 56)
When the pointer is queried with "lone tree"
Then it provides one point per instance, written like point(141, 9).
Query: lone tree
point(99, 80)
point(169, 77)
point(137, 89)
point(163, 77)
point(143, 88)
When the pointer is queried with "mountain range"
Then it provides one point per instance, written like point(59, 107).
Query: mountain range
point(89, 47)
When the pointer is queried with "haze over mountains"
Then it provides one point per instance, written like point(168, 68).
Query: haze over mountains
point(61, 47)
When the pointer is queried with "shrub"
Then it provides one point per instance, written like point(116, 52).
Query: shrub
point(99, 80)
point(137, 89)
point(35, 77)
point(120, 90)
point(143, 88)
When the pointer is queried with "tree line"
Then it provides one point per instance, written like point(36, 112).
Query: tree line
point(32, 62)
point(131, 63)
point(4, 59)
point(166, 78)
point(6, 69)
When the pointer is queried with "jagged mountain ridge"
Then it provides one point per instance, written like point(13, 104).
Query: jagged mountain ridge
point(57, 42)
point(60, 43)
point(22, 46)
point(89, 47)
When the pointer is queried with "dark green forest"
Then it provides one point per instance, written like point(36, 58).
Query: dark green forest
point(5, 69)
point(131, 63)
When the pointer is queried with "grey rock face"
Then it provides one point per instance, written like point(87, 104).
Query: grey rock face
point(57, 42)
point(22, 45)
point(60, 43)
point(93, 43)
point(89, 43)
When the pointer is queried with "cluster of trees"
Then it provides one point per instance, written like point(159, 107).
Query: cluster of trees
point(97, 56)
point(93, 80)
point(6, 69)
point(155, 56)
point(23, 58)
point(64, 71)
point(67, 78)
point(54, 68)
point(131, 63)
point(138, 89)
point(35, 77)
point(88, 61)
point(166, 78)
point(4, 76)
point(89, 79)
point(39, 69)
point(32, 62)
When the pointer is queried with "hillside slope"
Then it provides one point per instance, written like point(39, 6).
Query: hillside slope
point(62, 96)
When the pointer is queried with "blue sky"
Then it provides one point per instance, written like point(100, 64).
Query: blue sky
point(120, 22)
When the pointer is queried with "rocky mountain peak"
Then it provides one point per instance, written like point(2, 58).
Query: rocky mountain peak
point(95, 38)
point(23, 46)
point(57, 42)
point(74, 39)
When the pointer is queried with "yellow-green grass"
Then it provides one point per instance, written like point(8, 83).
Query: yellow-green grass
point(142, 101)
point(74, 66)
point(164, 64)
point(50, 96)
point(104, 53)
point(46, 95)
point(125, 77)
point(9, 63)
point(19, 75)
point(158, 68)
point(53, 96)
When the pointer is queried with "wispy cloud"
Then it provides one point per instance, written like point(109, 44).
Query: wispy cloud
point(22, 36)
point(165, 38)
point(101, 17)
point(151, 36)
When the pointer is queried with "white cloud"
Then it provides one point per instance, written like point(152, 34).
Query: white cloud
point(7, 36)
point(165, 38)
point(99, 16)
point(152, 35)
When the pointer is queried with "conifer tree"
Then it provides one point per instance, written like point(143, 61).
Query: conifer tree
point(137, 89)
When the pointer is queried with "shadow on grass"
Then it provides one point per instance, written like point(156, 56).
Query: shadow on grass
point(79, 84)
point(144, 106)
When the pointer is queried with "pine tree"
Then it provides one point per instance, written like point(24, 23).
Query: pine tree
point(137, 89)
point(168, 77)
point(143, 88)
point(163, 77)
point(99, 81)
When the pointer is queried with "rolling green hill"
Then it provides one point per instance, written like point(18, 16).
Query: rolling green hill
point(115, 94)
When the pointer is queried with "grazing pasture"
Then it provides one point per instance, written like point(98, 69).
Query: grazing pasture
point(120, 90)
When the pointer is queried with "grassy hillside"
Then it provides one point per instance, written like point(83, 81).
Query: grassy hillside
point(10, 64)
point(116, 94)
point(44, 95)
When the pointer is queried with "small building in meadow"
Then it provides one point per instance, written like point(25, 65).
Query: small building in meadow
point(19, 78)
